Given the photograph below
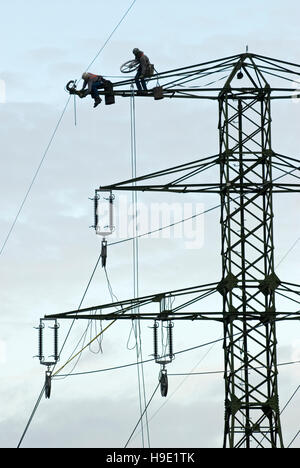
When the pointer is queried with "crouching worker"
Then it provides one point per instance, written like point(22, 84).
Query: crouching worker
point(144, 70)
point(93, 84)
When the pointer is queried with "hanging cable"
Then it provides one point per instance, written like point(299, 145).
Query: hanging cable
point(135, 260)
point(86, 346)
point(26, 196)
point(98, 337)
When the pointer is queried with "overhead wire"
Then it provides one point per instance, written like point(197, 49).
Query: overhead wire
point(112, 33)
point(193, 348)
point(293, 439)
point(85, 347)
point(26, 196)
point(55, 131)
point(136, 325)
point(166, 227)
point(290, 399)
point(283, 409)
point(212, 343)
point(31, 417)
point(34, 178)
point(160, 229)
point(222, 371)
point(191, 373)
point(219, 372)
point(135, 237)
point(145, 410)
point(37, 174)
point(98, 336)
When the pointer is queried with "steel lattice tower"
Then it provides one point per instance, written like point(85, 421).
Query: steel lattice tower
point(248, 277)
point(249, 285)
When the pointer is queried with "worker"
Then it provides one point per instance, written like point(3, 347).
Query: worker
point(143, 70)
point(94, 83)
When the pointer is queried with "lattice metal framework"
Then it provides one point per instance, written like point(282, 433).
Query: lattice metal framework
point(249, 285)
point(248, 276)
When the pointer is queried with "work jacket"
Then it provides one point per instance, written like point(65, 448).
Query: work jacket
point(144, 64)
point(91, 79)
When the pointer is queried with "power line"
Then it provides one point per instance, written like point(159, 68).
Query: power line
point(34, 177)
point(53, 135)
point(32, 415)
point(165, 227)
point(289, 251)
point(142, 415)
point(294, 438)
point(145, 361)
point(288, 402)
point(132, 4)
point(112, 33)
point(222, 372)
point(135, 264)
point(83, 337)
point(195, 216)
point(25, 198)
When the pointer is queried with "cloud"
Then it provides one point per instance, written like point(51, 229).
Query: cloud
point(104, 422)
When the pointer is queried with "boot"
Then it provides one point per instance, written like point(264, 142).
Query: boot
point(97, 102)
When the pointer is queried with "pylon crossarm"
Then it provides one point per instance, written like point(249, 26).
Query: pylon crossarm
point(279, 65)
point(179, 75)
point(189, 170)
point(198, 81)
point(183, 171)
point(183, 316)
point(163, 299)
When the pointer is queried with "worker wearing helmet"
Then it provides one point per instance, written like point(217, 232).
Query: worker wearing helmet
point(142, 70)
point(93, 84)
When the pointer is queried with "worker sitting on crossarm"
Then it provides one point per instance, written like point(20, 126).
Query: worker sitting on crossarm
point(94, 83)
point(143, 70)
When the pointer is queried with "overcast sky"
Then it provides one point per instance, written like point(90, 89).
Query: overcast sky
point(51, 253)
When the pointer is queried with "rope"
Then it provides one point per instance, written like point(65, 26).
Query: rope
point(86, 346)
point(100, 334)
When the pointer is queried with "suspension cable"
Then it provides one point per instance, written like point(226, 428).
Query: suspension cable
point(26, 196)
point(135, 262)
point(141, 416)
point(34, 177)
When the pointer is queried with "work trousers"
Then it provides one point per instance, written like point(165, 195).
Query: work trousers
point(95, 87)
point(140, 82)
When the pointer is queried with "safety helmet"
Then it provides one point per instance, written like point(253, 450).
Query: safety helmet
point(85, 76)
point(136, 51)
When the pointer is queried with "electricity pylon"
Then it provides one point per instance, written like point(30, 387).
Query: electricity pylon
point(249, 285)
